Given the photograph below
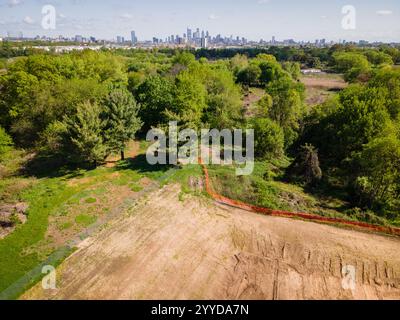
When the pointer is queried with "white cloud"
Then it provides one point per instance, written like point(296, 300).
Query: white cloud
point(262, 1)
point(14, 3)
point(29, 20)
point(126, 16)
point(213, 16)
point(384, 12)
point(62, 16)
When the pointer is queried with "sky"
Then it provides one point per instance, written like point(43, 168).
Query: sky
point(376, 20)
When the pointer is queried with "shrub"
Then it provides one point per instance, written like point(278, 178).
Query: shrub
point(5, 141)
point(268, 139)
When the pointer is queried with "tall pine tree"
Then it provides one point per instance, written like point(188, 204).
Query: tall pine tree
point(122, 120)
point(85, 131)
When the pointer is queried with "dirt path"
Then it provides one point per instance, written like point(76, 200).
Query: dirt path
point(195, 249)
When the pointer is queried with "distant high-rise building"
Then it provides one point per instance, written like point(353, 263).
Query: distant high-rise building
point(134, 38)
point(189, 34)
point(273, 40)
point(181, 40)
point(120, 39)
point(197, 34)
point(78, 38)
point(204, 42)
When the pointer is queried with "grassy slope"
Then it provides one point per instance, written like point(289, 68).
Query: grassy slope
point(76, 197)
point(272, 193)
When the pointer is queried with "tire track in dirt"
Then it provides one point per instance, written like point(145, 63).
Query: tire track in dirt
point(193, 249)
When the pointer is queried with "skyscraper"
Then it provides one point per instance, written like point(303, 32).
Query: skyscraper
point(189, 34)
point(204, 42)
point(133, 37)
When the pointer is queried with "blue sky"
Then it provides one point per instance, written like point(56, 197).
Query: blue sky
point(254, 19)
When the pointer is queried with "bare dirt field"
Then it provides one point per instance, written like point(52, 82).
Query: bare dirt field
point(324, 81)
point(320, 87)
point(172, 248)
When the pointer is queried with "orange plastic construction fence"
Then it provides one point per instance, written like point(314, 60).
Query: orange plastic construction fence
point(301, 215)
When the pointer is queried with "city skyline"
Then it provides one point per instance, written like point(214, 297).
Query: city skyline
point(261, 19)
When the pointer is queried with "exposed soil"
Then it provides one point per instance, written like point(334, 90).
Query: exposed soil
point(250, 101)
point(10, 216)
point(194, 249)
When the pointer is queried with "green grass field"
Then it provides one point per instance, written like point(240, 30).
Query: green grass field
point(66, 202)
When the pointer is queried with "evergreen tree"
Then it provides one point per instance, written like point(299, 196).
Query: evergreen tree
point(122, 120)
point(85, 132)
point(306, 166)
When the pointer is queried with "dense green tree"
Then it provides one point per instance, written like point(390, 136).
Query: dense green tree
point(250, 75)
point(224, 103)
point(55, 140)
point(353, 65)
point(122, 120)
point(378, 57)
point(268, 139)
point(189, 100)
point(265, 104)
point(238, 63)
point(184, 58)
point(361, 117)
point(85, 132)
point(287, 107)
point(155, 96)
point(378, 180)
point(293, 68)
point(394, 53)
point(17, 89)
point(346, 124)
point(387, 79)
point(135, 79)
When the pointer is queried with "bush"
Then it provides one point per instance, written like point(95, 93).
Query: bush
point(5, 141)
point(268, 139)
